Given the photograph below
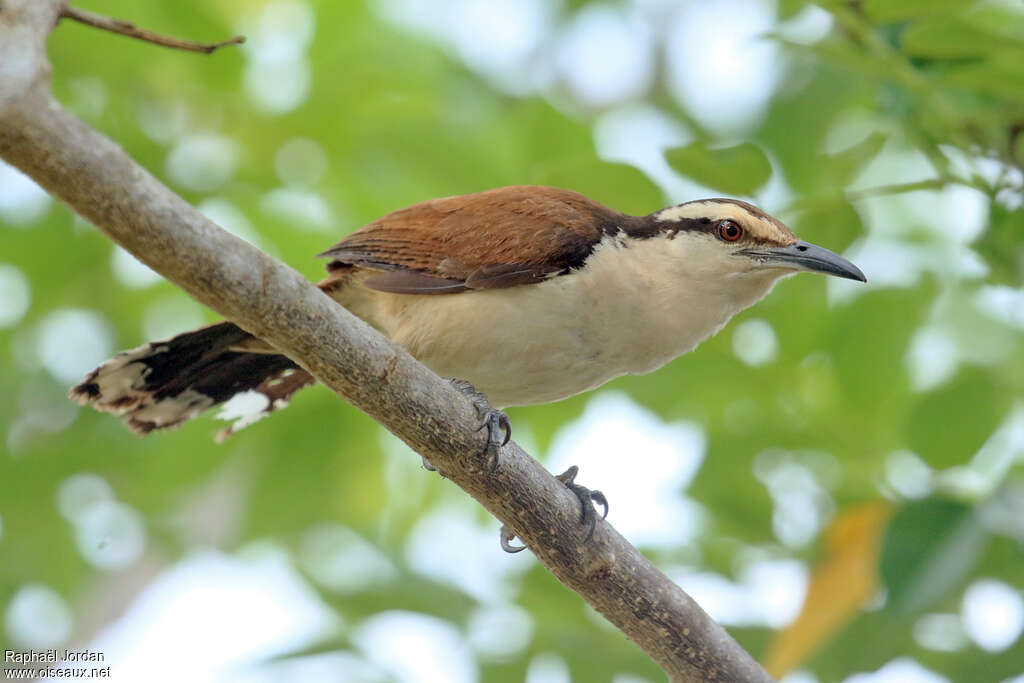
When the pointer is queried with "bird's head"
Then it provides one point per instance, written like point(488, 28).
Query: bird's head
point(735, 239)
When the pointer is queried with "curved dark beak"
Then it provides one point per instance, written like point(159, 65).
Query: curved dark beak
point(805, 256)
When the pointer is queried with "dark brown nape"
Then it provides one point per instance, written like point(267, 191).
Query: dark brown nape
point(652, 227)
point(646, 227)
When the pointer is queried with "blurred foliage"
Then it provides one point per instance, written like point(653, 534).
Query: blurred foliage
point(736, 170)
point(399, 120)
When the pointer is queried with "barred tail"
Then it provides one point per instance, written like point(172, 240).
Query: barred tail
point(165, 383)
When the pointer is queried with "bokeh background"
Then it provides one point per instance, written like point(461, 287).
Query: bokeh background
point(837, 476)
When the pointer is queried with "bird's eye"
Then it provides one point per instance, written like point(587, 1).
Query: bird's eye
point(729, 231)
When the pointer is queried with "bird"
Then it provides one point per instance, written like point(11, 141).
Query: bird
point(522, 294)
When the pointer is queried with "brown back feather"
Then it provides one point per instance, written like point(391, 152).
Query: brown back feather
point(499, 238)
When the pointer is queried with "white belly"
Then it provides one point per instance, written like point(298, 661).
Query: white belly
point(628, 311)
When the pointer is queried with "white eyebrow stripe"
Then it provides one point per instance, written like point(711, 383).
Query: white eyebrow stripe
point(718, 209)
point(698, 209)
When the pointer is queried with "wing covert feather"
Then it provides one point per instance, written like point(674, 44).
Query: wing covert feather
point(499, 238)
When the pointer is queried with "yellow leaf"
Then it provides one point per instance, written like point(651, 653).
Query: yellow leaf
point(844, 581)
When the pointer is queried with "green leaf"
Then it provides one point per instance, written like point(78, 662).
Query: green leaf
point(617, 185)
point(736, 170)
point(1001, 246)
point(999, 78)
point(997, 20)
point(789, 8)
point(793, 131)
point(852, 160)
point(886, 11)
point(949, 425)
point(835, 225)
point(928, 550)
point(945, 38)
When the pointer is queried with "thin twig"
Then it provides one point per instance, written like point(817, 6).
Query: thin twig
point(126, 28)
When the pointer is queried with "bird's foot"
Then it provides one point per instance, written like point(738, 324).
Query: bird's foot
point(588, 515)
point(495, 421)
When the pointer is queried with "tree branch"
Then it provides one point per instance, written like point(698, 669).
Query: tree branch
point(126, 28)
point(101, 182)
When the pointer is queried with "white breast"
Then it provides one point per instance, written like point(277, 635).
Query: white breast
point(634, 306)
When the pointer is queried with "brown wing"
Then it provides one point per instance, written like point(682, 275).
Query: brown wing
point(499, 238)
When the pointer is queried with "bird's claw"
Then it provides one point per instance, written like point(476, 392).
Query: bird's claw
point(588, 515)
point(507, 536)
point(495, 421)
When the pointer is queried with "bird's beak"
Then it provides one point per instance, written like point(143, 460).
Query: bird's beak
point(805, 256)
